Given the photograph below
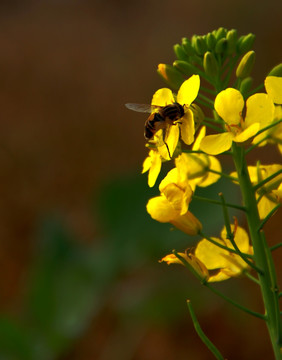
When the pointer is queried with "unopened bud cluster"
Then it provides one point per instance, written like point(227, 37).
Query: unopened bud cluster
point(207, 54)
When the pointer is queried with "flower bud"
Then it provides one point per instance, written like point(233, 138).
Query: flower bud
point(185, 68)
point(276, 71)
point(245, 43)
point(220, 33)
point(170, 75)
point(231, 38)
point(246, 64)
point(211, 41)
point(210, 65)
point(246, 85)
point(179, 52)
point(200, 45)
point(221, 46)
point(187, 47)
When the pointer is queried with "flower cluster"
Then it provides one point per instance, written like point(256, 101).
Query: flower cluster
point(243, 117)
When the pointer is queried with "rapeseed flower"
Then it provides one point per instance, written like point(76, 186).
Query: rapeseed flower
point(223, 264)
point(229, 104)
point(183, 127)
point(173, 203)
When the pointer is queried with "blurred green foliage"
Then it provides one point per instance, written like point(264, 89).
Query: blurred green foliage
point(69, 282)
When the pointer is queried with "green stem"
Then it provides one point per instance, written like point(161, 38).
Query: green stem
point(264, 221)
point(234, 303)
point(262, 254)
point(211, 201)
point(202, 335)
point(251, 277)
point(214, 127)
point(269, 178)
point(274, 247)
point(232, 178)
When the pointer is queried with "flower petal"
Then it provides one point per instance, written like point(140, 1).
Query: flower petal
point(247, 133)
point(260, 109)
point(217, 144)
point(187, 223)
point(188, 91)
point(273, 86)
point(201, 135)
point(211, 255)
point(229, 105)
point(187, 127)
point(163, 97)
point(160, 209)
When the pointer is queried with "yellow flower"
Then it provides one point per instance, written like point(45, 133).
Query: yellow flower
point(273, 87)
point(187, 93)
point(229, 105)
point(173, 203)
point(196, 265)
point(195, 167)
point(153, 164)
point(221, 263)
point(269, 194)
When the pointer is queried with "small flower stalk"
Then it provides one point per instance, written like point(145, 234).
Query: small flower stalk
point(202, 114)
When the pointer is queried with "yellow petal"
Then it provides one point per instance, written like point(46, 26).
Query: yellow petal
point(201, 135)
point(265, 205)
point(160, 209)
point(187, 223)
point(154, 170)
point(210, 177)
point(187, 127)
point(172, 137)
point(220, 276)
point(217, 144)
point(172, 259)
point(211, 255)
point(260, 109)
point(247, 133)
point(229, 105)
point(273, 86)
point(177, 197)
point(163, 97)
point(241, 239)
point(188, 91)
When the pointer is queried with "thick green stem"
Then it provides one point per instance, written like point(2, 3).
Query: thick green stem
point(262, 254)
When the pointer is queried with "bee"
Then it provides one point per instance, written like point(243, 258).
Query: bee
point(159, 119)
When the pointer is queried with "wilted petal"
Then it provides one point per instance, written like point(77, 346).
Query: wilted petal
point(273, 86)
point(187, 223)
point(217, 144)
point(188, 91)
point(229, 105)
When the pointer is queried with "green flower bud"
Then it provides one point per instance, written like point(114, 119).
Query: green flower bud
point(185, 68)
point(276, 71)
point(246, 64)
point(245, 43)
point(211, 41)
point(246, 85)
point(210, 65)
point(221, 46)
point(231, 38)
point(179, 52)
point(200, 45)
point(187, 47)
point(199, 116)
point(170, 75)
point(220, 33)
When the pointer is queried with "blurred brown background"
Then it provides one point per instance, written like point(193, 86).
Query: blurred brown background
point(66, 70)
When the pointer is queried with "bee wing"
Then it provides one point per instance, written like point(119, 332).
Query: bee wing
point(144, 108)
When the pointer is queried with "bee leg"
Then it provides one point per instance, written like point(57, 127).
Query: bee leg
point(168, 150)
